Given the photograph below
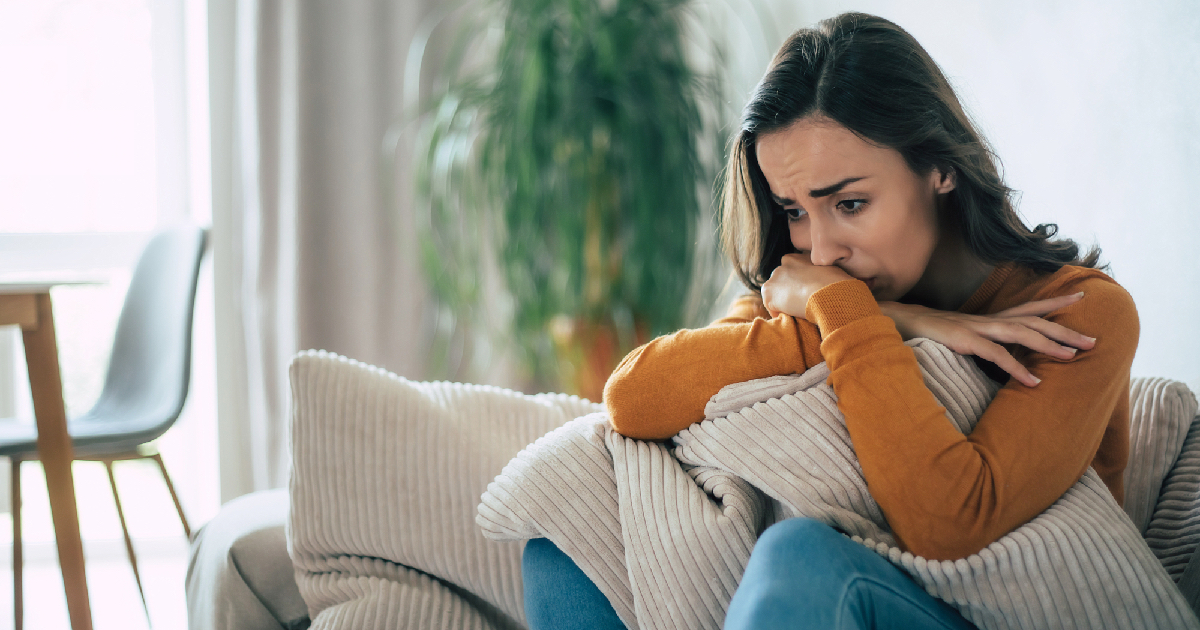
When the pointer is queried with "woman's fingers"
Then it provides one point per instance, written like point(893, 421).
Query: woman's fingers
point(1038, 308)
point(794, 281)
point(982, 335)
point(996, 353)
point(768, 293)
point(1065, 337)
point(1028, 335)
point(1060, 333)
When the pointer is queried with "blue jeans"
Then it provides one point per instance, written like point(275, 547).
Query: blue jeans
point(559, 595)
point(802, 574)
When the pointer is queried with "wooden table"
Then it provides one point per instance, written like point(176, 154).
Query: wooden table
point(27, 304)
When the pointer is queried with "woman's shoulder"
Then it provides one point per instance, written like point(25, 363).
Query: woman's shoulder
point(1105, 302)
point(1026, 284)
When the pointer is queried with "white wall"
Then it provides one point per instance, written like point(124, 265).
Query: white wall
point(1094, 108)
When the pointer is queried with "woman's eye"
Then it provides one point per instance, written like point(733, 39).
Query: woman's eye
point(793, 214)
point(852, 206)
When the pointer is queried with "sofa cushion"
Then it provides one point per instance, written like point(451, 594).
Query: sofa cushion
point(239, 574)
point(386, 477)
point(1174, 529)
point(1160, 414)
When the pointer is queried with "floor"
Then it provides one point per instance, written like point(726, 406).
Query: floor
point(158, 542)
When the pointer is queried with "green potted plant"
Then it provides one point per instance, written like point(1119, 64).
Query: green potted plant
point(567, 180)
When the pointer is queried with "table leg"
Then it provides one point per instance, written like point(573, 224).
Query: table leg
point(56, 453)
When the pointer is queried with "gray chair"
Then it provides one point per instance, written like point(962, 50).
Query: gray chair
point(144, 388)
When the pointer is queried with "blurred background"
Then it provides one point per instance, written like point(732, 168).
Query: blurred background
point(371, 191)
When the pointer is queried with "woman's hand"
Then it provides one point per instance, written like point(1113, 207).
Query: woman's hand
point(981, 335)
point(794, 281)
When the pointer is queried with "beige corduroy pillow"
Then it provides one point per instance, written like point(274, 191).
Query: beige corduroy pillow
point(1160, 415)
point(386, 476)
point(1162, 479)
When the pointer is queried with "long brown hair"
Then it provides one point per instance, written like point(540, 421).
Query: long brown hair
point(870, 76)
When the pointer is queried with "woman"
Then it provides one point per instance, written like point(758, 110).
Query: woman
point(862, 208)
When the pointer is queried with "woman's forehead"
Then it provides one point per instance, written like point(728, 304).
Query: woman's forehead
point(815, 153)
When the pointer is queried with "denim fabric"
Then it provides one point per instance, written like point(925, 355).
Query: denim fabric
point(558, 595)
point(802, 574)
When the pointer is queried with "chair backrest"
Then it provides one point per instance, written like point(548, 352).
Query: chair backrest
point(150, 367)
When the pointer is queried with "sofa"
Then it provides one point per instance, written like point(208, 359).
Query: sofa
point(241, 574)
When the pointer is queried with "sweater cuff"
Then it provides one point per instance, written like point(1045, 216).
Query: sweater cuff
point(839, 304)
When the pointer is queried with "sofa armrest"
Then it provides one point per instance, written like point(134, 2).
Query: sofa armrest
point(239, 574)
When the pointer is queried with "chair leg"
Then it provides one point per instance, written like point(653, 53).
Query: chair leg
point(187, 531)
point(18, 546)
point(112, 480)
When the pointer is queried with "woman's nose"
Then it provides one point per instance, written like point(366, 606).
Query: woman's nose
point(827, 249)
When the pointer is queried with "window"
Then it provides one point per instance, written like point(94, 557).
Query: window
point(78, 124)
point(103, 139)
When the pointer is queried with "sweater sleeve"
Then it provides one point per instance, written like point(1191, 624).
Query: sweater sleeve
point(947, 495)
point(662, 387)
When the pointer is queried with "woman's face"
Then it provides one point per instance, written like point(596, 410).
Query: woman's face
point(853, 204)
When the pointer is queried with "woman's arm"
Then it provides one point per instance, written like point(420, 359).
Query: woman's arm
point(662, 387)
point(982, 335)
point(947, 495)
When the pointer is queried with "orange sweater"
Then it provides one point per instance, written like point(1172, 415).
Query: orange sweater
point(945, 495)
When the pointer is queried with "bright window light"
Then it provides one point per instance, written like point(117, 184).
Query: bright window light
point(77, 127)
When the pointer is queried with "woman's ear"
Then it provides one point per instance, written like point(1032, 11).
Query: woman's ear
point(943, 180)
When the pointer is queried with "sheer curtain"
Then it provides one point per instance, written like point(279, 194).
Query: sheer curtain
point(312, 223)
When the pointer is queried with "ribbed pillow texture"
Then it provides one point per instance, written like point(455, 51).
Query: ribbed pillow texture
point(388, 474)
point(386, 477)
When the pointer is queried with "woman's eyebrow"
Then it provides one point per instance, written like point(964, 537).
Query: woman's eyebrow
point(829, 190)
point(783, 201)
point(819, 192)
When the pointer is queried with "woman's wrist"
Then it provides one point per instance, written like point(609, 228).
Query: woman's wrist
point(896, 312)
point(839, 304)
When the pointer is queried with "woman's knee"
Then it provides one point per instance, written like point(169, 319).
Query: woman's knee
point(559, 595)
point(799, 542)
point(781, 579)
point(543, 567)
point(808, 560)
point(798, 558)
point(539, 554)
point(797, 528)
